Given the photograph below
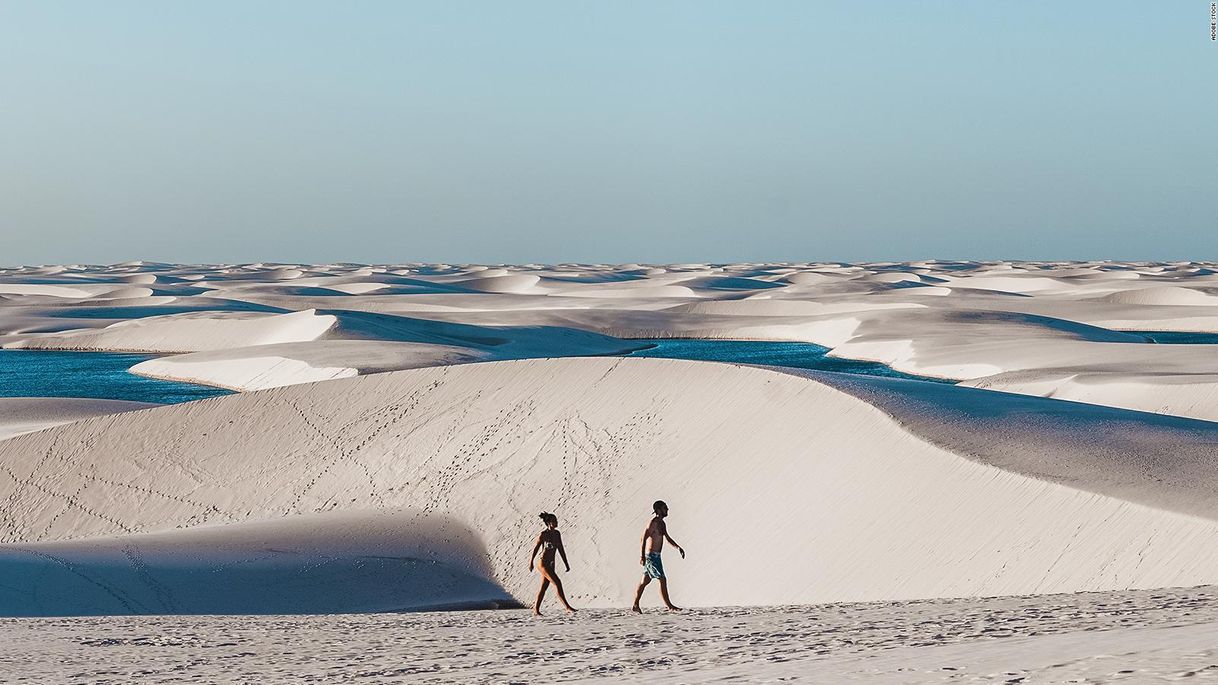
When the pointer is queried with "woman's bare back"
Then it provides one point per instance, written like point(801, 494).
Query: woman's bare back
point(551, 540)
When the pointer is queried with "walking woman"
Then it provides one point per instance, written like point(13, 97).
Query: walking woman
point(549, 542)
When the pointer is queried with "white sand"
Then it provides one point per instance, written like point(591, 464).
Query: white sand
point(20, 415)
point(1123, 637)
point(387, 560)
point(260, 367)
point(187, 332)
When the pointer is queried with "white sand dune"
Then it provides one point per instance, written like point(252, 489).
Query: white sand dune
point(20, 415)
point(855, 505)
point(640, 291)
point(144, 279)
point(1163, 462)
point(1192, 394)
point(1013, 284)
point(270, 366)
point(772, 307)
point(358, 288)
point(75, 291)
point(968, 344)
point(189, 332)
point(501, 283)
point(368, 561)
point(363, 343)
point(1167, 295)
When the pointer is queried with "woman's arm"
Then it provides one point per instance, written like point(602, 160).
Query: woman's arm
point(562, 551)
point(536, 546)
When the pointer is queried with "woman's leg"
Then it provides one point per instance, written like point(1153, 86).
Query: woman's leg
point(541, 593)
point(552, 575)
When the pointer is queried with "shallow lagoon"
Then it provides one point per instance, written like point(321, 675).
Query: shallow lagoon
point(1176, 338)
point(98, 375)
point(800, 355)
point(104, 375)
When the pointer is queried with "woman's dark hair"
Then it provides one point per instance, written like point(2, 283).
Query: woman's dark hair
point(547, 517)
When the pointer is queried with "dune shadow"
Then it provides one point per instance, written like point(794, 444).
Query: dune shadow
point(348, 562)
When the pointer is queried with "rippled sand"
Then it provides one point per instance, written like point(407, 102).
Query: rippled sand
point(1132, 636)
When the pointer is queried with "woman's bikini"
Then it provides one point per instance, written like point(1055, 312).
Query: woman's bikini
point(547, 550)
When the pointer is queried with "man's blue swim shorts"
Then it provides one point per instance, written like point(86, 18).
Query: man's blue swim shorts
point(653, 566)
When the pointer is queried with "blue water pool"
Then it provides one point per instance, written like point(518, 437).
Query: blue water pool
point(1176, 338)
point(99, 375)
point(801, 355)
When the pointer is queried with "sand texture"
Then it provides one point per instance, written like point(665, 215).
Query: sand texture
point(1121, 637)
point(28, 414)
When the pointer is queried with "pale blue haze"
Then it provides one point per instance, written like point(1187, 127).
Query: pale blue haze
point(609, 132)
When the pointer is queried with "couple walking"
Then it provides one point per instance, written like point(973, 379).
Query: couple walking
point(550, 542)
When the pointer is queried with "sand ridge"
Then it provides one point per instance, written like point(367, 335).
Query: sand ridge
point(20, 415)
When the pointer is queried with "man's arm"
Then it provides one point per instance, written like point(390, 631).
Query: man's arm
point(673, 542)
point(643, 545)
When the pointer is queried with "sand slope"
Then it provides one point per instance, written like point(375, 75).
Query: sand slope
point(260, 367)
point(187, 332)
point(847, 503)
point(27, 414)
point(338, 562)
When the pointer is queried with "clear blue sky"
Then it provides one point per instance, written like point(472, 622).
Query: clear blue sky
point(616, 131)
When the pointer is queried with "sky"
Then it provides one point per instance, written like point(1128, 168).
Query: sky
point(611, 132)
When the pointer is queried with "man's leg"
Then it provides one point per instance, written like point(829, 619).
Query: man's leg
point(664, 595)
point(638, 594)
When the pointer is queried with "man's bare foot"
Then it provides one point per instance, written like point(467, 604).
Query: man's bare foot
point(674, 608)
point(536, 611)
point(571, 610)
point(636, 609)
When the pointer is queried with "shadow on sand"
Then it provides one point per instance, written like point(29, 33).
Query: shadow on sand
point(341, 562)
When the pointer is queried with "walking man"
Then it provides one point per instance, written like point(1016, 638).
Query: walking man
point(649, 556)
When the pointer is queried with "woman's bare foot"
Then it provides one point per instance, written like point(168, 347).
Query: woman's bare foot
point(674, 608)
point(536, 611)
point(636, 609)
